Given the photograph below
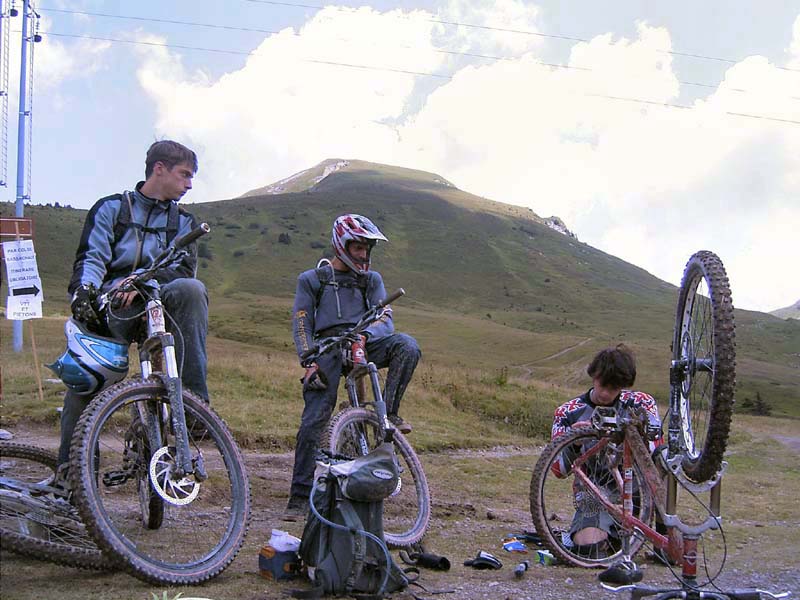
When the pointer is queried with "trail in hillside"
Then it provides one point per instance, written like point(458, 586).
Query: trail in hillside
point(527, 367)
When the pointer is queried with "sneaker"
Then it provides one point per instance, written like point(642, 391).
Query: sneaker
point(296, 509)
point(401, 425)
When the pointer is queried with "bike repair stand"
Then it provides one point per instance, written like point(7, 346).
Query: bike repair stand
point(689, 546)
point(683, 538)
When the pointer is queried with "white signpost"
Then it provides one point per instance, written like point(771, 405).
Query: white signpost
point(24, 284)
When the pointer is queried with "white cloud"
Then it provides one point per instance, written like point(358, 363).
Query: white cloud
point(603, 145)
point(55, 61)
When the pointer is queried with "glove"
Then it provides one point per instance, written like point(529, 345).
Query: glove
point(314, 379)
point(82, 305)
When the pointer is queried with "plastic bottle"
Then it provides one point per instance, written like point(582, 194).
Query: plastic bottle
point(520, 569)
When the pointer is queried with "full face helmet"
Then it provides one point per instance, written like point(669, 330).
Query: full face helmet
point(354, 228)
point(91, 362)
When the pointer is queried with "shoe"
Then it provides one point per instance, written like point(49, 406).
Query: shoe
point(401, 425)
point(296, 509)
point(484, 560)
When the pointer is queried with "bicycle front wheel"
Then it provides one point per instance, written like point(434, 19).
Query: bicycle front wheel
point(704, 349)
point(407, 512)
point(36, 522)
point(161, 528)
point(561, 505)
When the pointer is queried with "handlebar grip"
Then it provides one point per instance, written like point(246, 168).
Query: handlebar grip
point(308, 353)
point(195, 233)
point(392, 297)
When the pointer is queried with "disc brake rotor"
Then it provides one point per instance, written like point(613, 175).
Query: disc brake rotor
point(175, 491)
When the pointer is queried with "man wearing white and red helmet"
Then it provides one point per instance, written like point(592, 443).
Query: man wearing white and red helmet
point(328, 300)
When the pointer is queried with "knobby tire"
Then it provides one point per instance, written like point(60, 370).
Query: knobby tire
point(42, 526)
point(553, 499)
point(705, 336)
point(407, 514)
point(188, 544)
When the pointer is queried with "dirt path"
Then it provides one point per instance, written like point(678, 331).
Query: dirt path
point(528, 371)
point(478, 496)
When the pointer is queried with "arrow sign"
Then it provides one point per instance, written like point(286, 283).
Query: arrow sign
point(26, 291)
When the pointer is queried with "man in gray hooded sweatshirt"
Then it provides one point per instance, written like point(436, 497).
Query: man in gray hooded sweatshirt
point(328, 300)
point(124, 233)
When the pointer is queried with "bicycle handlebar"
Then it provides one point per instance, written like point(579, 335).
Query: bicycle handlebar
point(168, 256)
point(195, 233)
point(642, 591)
point(309, 356)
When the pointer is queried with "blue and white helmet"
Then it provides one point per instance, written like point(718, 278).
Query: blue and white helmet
point(91, 362)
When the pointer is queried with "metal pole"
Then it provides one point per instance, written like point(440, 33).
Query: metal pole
point(21, 150)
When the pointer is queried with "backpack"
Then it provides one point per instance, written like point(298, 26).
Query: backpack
point(324, 277)
point(342, 543)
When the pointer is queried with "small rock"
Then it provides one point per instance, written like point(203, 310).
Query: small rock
point(490, 514)
point(5, 435)
point(568, 581)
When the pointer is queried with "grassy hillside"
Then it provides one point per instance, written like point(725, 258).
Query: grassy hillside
point(489, 286)
point(789, 312)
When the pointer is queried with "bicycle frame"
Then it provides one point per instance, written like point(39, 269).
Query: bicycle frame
point(352, 383)
point(680, 543)
point(157, 359)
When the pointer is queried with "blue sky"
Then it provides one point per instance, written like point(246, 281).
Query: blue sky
point(653, 129)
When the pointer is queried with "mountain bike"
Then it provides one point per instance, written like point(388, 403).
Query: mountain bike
point(36, 518)
point(364, 425)
point(155, 472)
point(607, 467)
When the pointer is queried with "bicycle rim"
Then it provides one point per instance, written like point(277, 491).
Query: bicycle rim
point(557, 497)
point(39, 525)
point(190, 542)
point(704, 342)
point(406, 513)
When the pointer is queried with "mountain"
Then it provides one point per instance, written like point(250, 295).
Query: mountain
point(489, 285)
point(790, 312)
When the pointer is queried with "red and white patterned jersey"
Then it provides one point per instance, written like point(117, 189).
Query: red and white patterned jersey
point(581, 409)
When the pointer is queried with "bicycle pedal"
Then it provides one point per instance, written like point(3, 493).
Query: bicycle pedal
point(115, 478)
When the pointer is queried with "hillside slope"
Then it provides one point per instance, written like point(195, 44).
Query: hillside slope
point(488, 284)
point(789, 312)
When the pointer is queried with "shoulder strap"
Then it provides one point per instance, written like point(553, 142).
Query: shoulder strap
point(172, 222)
point(124, 215)
point(324, 278)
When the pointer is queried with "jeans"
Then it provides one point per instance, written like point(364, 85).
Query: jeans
point(186, 301)
point(399, 352)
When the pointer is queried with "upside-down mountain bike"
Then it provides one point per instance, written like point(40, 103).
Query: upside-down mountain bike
point(607, 466)
point(36, 517)
point(156, 474)
point(363, 426)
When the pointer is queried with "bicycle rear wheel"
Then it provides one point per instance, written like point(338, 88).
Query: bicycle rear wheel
point(202, 524)
point(560, 504)
point(407, 512)
point(36, 522)
point(704, 348)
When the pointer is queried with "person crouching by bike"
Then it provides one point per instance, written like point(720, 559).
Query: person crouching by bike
point(328, 300)
point(122, 233)
point(611, 370)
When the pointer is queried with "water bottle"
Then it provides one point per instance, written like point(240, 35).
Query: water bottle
point(520, 569)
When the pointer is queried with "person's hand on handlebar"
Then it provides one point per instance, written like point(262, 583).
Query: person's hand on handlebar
point(124, 299)
point(82, 305)
point(314, 379)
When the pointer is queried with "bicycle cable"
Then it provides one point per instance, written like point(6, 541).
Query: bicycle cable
point(143, 293)
point(698, 587)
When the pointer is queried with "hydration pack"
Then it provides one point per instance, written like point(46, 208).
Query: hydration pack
point(342, 543)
